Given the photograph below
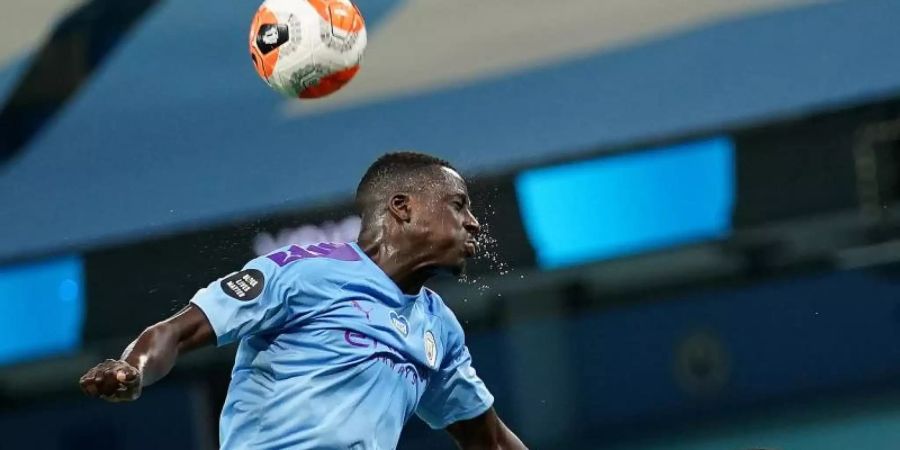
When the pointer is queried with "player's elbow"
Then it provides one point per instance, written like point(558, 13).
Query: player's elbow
point(501, 441)
point(189, 329)
point(494, 445)
point(162, 335)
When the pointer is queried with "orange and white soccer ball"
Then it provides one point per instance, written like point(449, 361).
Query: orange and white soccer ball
point(307, 48)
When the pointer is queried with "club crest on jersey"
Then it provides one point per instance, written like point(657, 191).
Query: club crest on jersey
point(400, 323)
point(430, 349)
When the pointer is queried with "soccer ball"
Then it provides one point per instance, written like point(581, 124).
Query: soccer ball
point(307, 48)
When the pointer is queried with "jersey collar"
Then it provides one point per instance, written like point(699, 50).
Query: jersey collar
point(404, 297)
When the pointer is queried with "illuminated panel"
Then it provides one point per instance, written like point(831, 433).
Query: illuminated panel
point(41, 309)
point(625, 204)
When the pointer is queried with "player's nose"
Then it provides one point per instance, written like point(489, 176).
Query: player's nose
point(471, 224)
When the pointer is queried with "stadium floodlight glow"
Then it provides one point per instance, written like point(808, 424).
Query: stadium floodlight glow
point(630, 203)
point(41, 308)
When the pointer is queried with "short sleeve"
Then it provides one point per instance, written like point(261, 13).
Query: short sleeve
point(455, 392)
point(251, 301)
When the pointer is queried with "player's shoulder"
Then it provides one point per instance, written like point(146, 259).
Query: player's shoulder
point(434, 303)
point(438, 308)
point(312, 259)
point(324, 251)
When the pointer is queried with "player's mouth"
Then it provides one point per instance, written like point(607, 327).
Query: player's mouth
point(471, 248)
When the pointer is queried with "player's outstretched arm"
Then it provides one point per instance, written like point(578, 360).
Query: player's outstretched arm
point(150, 357)
point(485, 432)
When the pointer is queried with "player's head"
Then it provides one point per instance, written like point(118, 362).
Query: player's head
point(419, 205)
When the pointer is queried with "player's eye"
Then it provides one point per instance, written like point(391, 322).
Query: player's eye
point(458, 205)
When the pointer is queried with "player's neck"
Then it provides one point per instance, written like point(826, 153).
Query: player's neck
point(408, 273)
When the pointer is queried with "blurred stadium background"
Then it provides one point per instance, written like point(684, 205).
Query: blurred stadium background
point(694, 202)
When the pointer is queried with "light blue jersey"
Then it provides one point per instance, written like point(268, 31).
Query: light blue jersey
point(333, 355)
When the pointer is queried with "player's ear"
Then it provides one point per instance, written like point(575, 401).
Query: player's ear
point(399, 207)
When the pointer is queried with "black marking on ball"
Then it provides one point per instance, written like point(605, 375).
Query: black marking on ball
point(271, 36)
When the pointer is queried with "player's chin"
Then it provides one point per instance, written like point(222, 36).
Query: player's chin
point(453, 267)
point(456, 262)
point(459, 268)
point(458, 271)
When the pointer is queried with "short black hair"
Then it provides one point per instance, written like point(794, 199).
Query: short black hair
point(393, 172)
